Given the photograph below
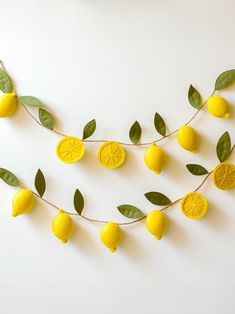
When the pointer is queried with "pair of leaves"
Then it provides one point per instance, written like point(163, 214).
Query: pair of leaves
point(40, 185)
point(8, 177)
point(89, 129)
point(194, 97)
point(223, 147)
point(157, 198)
point(45, 116)
point(5, 82)
point(130, 211)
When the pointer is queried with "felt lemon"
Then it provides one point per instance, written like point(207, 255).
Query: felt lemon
point(111, 235)
point(224, 176)
point(154, 158)
point(194, 205)
point(111, 155)
point(156, 223)
point(62, 226)
point(23, 202)
point(8, 103)
point(70, 149)
point(218, 106)
point(188, 138)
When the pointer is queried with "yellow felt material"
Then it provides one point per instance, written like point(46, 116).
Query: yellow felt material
point(111, 235)
point(62, 226)
point(188, 138)
point(224, 176)
point(8, 104)
point(111, 155)
point(70, 149)
point(23, 202)
point(154, 158)
point(218, 106)
point(194, 205)
point(156, 223)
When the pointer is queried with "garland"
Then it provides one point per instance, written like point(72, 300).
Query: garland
point(111, 155)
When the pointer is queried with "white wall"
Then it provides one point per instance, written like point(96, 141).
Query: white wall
point(116, 61)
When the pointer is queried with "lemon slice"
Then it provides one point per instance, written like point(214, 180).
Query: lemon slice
point(70, 149)
point(194, 205)
point(111, 155)
point(224, 176)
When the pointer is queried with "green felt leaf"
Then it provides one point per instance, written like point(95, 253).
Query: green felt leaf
point(225, 79)
point(223, 147)
point(130, 211)
point(157, 198)
point(89, 129)
point(5, 82)
point(8, 177)
point(78, 201)
point(194, 97)
point(159, 124)
point(46, 118)
point(30, 101)
point(197, 170)
point(135, 132)
point(40, 183)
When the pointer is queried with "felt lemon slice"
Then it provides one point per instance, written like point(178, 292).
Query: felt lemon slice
point(224, 176)
point(194, 205)
point(111, 155)
point(70, 149)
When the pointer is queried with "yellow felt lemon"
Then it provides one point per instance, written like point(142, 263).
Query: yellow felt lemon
point(224, 176)
point(218, 106)
point(70, 149)
point(188, 138)
point(154, 158)
point(156, 223)
point(23, 202)
point(194, 205)
point(62, 226)
point(8, 104)
point(111, 155)
point(111, 235)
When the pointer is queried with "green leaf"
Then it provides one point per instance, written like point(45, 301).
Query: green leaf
point(5, 82)
point(194, 97)
point(225, 79)
point(135, 132)
point(30, 101)
point(223, 147)
point(130, 211)
point(46, 118)
point(78, 201)
point(89, 129)
point(197, 170)
point(159, 124)
point(8, 177)
point(40, 182)
point(157, 198)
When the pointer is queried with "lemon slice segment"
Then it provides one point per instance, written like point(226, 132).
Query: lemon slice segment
point(111, 155)
point(224, 176)
point(70, 149)
point(194, 205)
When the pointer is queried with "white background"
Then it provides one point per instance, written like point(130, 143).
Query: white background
point(116, 61)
